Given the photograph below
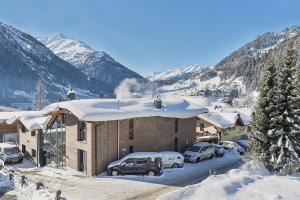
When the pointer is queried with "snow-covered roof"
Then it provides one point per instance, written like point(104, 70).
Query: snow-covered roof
point(220, 119)
point(8, 145)
point(4, 116)
point(30, 119)
point(245, 113)
point(8, 109)
point(114, 109)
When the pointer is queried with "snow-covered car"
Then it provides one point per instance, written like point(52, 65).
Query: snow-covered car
point(199, 151)
point(172, 159)
point(219, 150)
point(229, 145)
point(245, 144)
point(10, 152)
point(149, 163)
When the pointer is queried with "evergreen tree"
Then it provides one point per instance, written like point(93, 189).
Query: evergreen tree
point(265, 108)
point(284, 133)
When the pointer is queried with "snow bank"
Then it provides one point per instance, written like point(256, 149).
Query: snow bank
point(114, 109)
point(251, 181)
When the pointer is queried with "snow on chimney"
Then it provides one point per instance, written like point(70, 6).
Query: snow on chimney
point(71, 94)
point(157, 103)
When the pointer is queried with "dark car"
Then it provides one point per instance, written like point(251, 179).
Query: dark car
point(145, 163)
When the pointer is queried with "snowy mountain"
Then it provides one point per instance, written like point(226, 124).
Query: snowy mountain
point(24, 60)
point(249, 61)
point(180, 73)
point(241, 70)
point(96, 64)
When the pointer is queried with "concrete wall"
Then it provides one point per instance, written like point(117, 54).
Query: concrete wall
point(150, 134)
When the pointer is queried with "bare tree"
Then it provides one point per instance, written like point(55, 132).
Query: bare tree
point(40, 95)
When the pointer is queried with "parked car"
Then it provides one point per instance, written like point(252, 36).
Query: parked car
point(10, 152)
point(229, 145)
point(245, 144)
point(171, 159)
point(199, 151)
point(149, 163)
point(219, 150)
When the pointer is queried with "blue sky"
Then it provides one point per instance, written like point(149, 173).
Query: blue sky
point(155, 35)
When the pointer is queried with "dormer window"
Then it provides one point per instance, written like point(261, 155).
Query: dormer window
point(81, 131)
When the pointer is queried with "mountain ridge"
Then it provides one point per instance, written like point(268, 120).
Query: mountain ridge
point(96, 64)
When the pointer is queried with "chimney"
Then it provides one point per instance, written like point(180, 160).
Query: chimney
point(157, 103)
point(71, 94)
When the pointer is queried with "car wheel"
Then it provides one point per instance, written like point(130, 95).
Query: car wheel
point(114, 173)
point(198, 159)
point(151, 173)
point(21, 160)
point(175, 165)
point(211, 156)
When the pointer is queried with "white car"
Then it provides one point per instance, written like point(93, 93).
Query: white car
point(171, 159)
point(229, 145)
point(199, 151)
point(10, 152)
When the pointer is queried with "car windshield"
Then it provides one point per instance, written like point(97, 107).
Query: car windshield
point(11, 150)
point(194, 149)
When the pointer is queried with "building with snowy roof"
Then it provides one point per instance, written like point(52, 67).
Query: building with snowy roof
point(231, 126)
point(88, 134)
point(8, 132)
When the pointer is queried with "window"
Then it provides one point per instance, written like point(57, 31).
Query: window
point(201, 127)
point(131, 129)
point(82, 131)
point(33, 153)
point(176, 125)
point(129, 161)
point(248, 129)
point(131, 149)
point(23, 148)
point(33, 133)
point(141, 161)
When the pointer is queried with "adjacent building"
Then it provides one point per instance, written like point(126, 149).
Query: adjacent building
point(8, 132)
point(230, 126)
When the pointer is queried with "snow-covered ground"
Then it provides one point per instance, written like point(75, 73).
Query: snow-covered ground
point(251, 181)
point(77, 186)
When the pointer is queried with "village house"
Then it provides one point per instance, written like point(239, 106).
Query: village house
point(229, 126)
point(86, 135)
point(8, 132)
point(30, 129)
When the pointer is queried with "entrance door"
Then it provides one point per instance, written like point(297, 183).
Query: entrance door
point(82, 161)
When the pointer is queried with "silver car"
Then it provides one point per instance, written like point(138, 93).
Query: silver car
point(172, 159)
point(9, 152)
point(198, 152)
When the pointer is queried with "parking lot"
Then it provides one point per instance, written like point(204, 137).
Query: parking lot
point(75, 185)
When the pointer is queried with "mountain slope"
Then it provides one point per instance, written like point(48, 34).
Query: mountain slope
point(24, 60)
point(249, 60)
point(180, 73)
point(93, 63)
point(242, 69)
